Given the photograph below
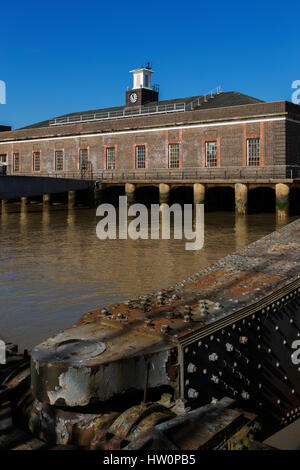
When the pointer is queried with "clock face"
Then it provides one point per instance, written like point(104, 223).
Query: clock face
point(133, 98)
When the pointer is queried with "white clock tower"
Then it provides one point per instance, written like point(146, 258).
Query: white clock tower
point(142, 91)
point(142, 78)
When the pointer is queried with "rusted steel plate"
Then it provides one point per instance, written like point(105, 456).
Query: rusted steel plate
point(106, 353)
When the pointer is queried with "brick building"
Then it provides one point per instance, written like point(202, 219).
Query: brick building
point(221, 135)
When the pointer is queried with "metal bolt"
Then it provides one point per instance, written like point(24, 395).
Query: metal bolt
point(213, 357)
point(187, 318)
point(164, 328)
point(191, 368)
point(215, 379)
point(243, 339)
point(192, 393)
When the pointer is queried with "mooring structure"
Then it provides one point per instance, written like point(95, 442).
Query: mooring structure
point(227, 330)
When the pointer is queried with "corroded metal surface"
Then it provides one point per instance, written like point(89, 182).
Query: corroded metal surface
point(121, 367)
point(208, 427)
point(141, 343)
point(130, 425)
point(62, 427)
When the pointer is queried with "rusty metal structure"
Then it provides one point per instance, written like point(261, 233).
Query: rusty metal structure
point(205, 364)
point(26, 424)
point(226, 331)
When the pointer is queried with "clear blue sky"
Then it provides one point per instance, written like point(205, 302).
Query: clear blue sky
point(59, 57)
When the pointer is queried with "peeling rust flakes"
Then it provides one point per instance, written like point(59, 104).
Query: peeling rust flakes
point(254, 282)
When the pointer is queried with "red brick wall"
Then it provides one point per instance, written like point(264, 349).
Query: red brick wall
point(280, 140)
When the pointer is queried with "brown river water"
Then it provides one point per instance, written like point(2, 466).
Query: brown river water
point(53, 268)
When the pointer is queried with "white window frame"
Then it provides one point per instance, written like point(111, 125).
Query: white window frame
point(171, 155)
point(256, 160)
point(34, 154)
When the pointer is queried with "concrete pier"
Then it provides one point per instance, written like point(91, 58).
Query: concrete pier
point(3, 204)
point(130, 192)
point(164, 193)
point(24, 201)
point(199, 193)
point(46, 199)
point(241, 198)
point(71, 198)
point(282, 192)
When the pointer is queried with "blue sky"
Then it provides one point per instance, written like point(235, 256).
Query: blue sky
point(59, 57)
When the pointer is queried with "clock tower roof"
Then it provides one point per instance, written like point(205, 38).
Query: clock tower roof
point(141, 69)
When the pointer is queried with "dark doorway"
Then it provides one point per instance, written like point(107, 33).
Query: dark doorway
point(295, 201)
point(219, 199)
point(147, 195)
point(261, 200)
point(181, 195)
point(112, 193)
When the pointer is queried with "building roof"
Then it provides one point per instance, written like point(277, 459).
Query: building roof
point(5, 128)
point(219, 100)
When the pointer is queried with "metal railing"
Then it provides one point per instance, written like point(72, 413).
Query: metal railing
point(205, 98)
point(168, 108)
point(127, 112)
point(272, 172)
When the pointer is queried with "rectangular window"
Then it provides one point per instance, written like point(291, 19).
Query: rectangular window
point(253, 152)
point(16, 162)
point(36, 161)
point(59, 160)
point(173, 155)
point(140, 156)
point(211, 154)
point(83, 159)
point(3, 158)
point(110, 158)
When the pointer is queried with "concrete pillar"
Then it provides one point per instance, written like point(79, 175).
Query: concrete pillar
point(282, 192)
point(164, 193)
point(241, 231)
point(46, 199)
point(199, 193)
point(129, 191)
point(4, 204)
point(71, 198)
point(241, 198)
point(24, 201)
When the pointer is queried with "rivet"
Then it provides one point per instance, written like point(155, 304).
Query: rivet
point(191, 368)
point(213, 357)
point(192, 393)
